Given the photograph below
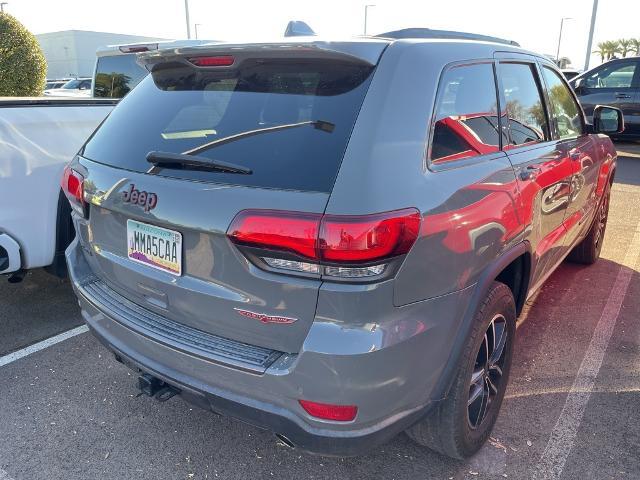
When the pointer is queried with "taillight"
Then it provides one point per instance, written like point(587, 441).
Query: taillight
point(217, 61)
point(73, 187)
point(287, 231)
point(339, 246)
point(368, 237)
point(325, 411)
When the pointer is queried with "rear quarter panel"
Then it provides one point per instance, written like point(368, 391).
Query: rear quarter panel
point(469, 210)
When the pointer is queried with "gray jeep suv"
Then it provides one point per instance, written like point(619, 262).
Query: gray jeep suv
point(333, 240)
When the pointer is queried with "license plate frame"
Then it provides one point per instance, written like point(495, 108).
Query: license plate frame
point(144, 250)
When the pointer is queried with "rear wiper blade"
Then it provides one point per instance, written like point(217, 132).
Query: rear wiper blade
point(317, 124)
point(194, 162)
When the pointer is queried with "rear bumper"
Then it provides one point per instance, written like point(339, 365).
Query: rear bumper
point(386, 385)
point(255, 412)
point(267, 416)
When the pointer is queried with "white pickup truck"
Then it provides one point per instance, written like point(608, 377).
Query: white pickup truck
point(38, 136)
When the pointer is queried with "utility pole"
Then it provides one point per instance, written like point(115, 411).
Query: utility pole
point(186, 14)
point(560, 37)
point(196, 25)
point(2, 4)
point(366, 8)
point(590, 41)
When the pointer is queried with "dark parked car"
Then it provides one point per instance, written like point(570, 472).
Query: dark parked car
point(616, 83)
point(333, 240)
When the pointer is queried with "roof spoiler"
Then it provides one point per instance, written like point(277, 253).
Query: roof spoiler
point(298, 28)
point(360, 53)
point(445, 34)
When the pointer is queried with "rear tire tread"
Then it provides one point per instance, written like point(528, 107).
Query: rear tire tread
point(587, 252)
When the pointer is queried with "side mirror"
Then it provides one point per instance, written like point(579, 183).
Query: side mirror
point(607, 120)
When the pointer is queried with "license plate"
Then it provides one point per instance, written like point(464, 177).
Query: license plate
point(154, 246)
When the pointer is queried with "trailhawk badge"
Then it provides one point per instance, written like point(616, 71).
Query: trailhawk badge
point(266, 318)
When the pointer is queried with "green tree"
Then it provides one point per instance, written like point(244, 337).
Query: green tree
point(112, 85)
point(602, 51)
point(626, 46)
point(22, 64)
point(636, 45)
point(613, 47)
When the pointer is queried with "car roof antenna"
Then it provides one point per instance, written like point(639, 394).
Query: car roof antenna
point(298, 28)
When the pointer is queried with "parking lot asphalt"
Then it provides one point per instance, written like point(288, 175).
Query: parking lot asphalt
point(70, 411)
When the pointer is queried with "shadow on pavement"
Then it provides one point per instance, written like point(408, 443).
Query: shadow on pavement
point(39, 307)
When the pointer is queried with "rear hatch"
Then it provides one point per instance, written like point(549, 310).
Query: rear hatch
point(282, 117)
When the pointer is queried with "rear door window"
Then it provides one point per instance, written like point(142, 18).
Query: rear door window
point(525, 109)
point(179, 108)
point(466, 119)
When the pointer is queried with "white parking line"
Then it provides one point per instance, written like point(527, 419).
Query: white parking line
point(4, 475)
point(36, 347)
point(566, 428)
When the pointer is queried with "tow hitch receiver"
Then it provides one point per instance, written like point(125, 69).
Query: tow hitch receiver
point(154, 387)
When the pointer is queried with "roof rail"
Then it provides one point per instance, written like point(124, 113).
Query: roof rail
point(429, 33)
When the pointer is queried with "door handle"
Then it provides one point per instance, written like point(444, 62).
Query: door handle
point(530, 173)
point(623, 95)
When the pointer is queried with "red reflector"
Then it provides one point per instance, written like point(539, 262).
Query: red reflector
point(219, 61)
point(72, 185)
point(290, 231)
point(340, 413)
point(368, 237)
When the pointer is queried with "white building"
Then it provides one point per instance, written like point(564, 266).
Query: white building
point(72, 53)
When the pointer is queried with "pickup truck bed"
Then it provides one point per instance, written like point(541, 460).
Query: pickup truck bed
point(38, 136)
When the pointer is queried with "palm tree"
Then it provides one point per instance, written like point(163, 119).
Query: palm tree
point(626, 46)
point(602, 51)
point(635, 42)
point(612, 47)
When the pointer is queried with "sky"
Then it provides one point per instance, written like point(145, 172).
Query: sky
point(535, 24)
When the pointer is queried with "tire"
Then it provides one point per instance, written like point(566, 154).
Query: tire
point(65, 233)
point(457, 427)
point(588, 250)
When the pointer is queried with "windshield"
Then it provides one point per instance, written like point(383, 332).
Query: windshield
point(180, 108)
point(116, 75)
point(77, 84)
point(71, 84)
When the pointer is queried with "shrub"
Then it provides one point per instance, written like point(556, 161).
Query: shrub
point(22, 64)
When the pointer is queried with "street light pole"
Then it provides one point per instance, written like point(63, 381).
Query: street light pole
point(590, 41)
point(196, 25)
point(2, 4)
point(560, 37)
point(366, 8)
point(186, 14)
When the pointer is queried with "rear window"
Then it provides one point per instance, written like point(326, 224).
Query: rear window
point(117, 75)
point(179, 108)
